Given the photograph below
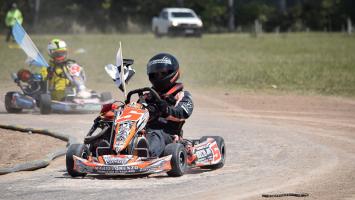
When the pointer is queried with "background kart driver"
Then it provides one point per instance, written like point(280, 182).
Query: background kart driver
point(59, 79)
point(168, 115)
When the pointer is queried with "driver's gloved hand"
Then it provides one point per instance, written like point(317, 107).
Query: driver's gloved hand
point(152, 109)
point(163, 108)
point(50, 71)
point(153, 112)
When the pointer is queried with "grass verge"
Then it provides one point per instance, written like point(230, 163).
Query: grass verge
point(320, 63)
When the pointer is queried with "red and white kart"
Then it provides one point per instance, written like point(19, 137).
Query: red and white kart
point(116, 145)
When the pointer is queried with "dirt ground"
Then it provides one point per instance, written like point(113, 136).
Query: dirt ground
point(316, 111)
point(276, 143)
point(19, 147)
point(332, 124)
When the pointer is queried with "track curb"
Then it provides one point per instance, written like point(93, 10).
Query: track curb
point(41, 163)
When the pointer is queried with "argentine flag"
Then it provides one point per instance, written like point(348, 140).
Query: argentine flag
point(25, 42)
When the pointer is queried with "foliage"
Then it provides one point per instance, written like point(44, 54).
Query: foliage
point(107, 16)
point(212, 13)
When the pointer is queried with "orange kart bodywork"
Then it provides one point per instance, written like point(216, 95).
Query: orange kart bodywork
point(122, 165)
point(121, 147)
point(203, 154)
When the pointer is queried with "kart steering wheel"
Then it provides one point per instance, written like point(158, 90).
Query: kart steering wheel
point(140, 91)
point(155, 97)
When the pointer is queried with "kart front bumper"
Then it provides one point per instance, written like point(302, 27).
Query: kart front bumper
point(67, 107)
point(140, 166)
point(27, 102)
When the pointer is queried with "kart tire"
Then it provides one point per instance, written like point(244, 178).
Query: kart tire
point(222, 149)
point(45, 102)
point(105, 96)
point(79, 150)
point(8, 103)
point(178, 159)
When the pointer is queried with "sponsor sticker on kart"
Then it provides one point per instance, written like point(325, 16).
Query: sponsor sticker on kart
point(204, 153)
point(74, 69)
point(207, 153)
point(119, 169)
point(115, 160)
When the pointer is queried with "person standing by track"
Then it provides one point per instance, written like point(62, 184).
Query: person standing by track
point(13, 15)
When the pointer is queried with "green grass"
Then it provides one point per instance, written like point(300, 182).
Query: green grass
point(301, 62)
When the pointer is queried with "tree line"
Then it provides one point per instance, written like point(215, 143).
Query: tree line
point(105, 16)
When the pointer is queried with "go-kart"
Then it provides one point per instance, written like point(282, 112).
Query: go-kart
point(34, 94)
point(116, 144)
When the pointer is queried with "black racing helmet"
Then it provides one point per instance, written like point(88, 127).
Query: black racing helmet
point(163, 71)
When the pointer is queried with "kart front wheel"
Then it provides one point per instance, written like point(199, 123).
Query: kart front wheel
point(45, 102)
point(178, 159)
point(79, 150)
point(222, 150)
point(8, 103)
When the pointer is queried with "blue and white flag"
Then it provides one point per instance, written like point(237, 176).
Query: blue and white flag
point(25, 42)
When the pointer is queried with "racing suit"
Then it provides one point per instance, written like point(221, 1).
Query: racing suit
point(162, 130)
point(59, 78)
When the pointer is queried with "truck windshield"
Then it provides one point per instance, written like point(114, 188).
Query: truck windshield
point(182, 14)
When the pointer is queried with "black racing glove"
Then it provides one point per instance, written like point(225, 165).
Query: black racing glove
point(152, 109)
point(163, 108)
point(153, 112)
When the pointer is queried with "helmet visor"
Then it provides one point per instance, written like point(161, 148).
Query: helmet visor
point(59, 56)
point(160, 74)
point(58, 53)
point(161, 68)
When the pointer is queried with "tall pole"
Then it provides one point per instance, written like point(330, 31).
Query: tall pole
point(36, 17)
point(122, 72)
point(282, 5)
point(349, 26)
point(231, 25)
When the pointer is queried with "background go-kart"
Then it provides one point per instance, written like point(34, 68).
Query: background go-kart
point(267, 96)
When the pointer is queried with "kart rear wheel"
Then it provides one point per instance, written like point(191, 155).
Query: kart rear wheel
point(8, 103)
point(79, 150)
point(222, 149)
point(105, 96)
point(45, 102)
point(178, 159)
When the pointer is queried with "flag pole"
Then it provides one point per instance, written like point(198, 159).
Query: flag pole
point(122, 74)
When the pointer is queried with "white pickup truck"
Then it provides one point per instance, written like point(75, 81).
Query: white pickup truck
point(177, 21)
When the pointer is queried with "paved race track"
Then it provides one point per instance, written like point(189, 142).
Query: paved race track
point(265, 154)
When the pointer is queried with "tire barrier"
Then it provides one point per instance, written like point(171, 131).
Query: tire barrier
point(37, 164)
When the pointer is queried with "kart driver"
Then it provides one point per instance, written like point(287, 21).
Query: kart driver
point(61, 71)
point(169, 114)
